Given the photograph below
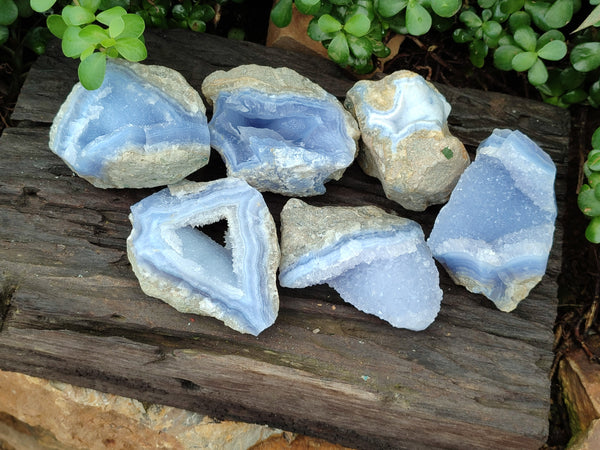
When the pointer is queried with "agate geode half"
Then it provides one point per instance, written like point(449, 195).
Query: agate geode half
point(144, 127)
point(495, 233)
point(175, 261)
point(376, 261)
point(278, 130)
point(406, 141)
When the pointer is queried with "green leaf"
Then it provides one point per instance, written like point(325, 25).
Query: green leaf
point(77, 15)
point(308, 7)
point(361, 48)
point(447, 152)
point(90, 5)
point(116, 27)
point(538, 74)
point(574, 96)
point(596, 139)
point(281, 14)
point(179, 12)
point(131, 49)
point(108, 42)
point(418, 19)
point(134, 26)
point(593, 160)
point(107, 4)
point(389, 8)
point(203, 12)
point(559, 14)
point(537, 9)
point(56, 25)
point(549, 36)
point(592, 232)
point(106, 17)
point(586, 57)
point(462, 36)
point(553, 51)
point(338, 49)
point(484, 4)
point(588, 203)
point(571, 78)
point(197, 25)
point(492, 29)
point(511, 6)
point(315, 33)
point(91, 71)
point(42, 5)
point(526, 38)
point(478, 50)
point(446, 8)
point(358, 25)
point(4, 34)
point(504, 55)
point(590, 20)
point(8, 12)
point(87, 52)
point(93, 34)
point(329, 24)
point(380, 49)
point(470, 19)
point(518, 20)
point(72, 45)
point(524, 61)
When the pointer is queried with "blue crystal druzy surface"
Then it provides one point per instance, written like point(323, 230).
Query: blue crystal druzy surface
point(132, 132)
point(286, 143)
point(495, 233)
point(178, 263)
point(377, 262)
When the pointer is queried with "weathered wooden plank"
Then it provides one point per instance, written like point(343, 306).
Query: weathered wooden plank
point(71, 309)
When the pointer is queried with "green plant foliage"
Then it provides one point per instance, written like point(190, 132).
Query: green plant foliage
point(588, 199)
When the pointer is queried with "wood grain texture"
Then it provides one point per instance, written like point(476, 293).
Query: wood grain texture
point(71, 308)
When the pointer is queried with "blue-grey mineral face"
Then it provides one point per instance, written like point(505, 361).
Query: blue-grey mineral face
point(279, 131)
point(144, 127)
point(495, 233)
point(179, 264)
point(376, 261)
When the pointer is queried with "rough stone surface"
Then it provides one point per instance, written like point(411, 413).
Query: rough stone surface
point(144, 127)
point(184, 267)
point(278, 130)
point(376, 261)
point(56, 415)
point(406, 141)
point(495, 233)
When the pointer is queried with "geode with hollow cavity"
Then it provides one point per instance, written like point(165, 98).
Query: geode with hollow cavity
point(178, 263)
point(495, 233)
point(144, 127)
point(376, 261)
point(278, 130)
point(406, 141)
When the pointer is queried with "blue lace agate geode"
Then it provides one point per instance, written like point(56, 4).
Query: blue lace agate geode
point(179, 264)
point(495, 233)
point(278, 130)
point(144, 127)
point(376, 261)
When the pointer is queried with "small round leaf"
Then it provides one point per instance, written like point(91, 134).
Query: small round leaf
point(8, 12)
point(504, 55)
point(596, 139)
point(518, 20)
point(315, 33)
point(361, 48)
point(281, 14)
point(559, 14)
point(134, 26)
point(592, 232)
point(42, 5)
point(91, 70)
point(538, 74)
point(418, 19)
point(197, 25)
point(446, 8)
point(72, 45)
point(470, 19)
point(338, 49)
point(523, 61)
point(358, 25)
point(93, 34)
point(179, 12)
point(329, 24)
point(308, 7)
point(492, 29)
point(526, 38)
point(116, 27)
point(588, 203)
point(56, 25)
point(77, 15)
point(553, 51)
point(131, 49)
point(389, 8)
point(90, 5)
point(586, 57)
point(106, 17)
point(478, 50)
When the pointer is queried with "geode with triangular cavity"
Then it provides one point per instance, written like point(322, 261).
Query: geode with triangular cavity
point(376, 261)
point(495, 233)
point(406, 141)
point(278, 130)
point(144, 127)
point(178, 263)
